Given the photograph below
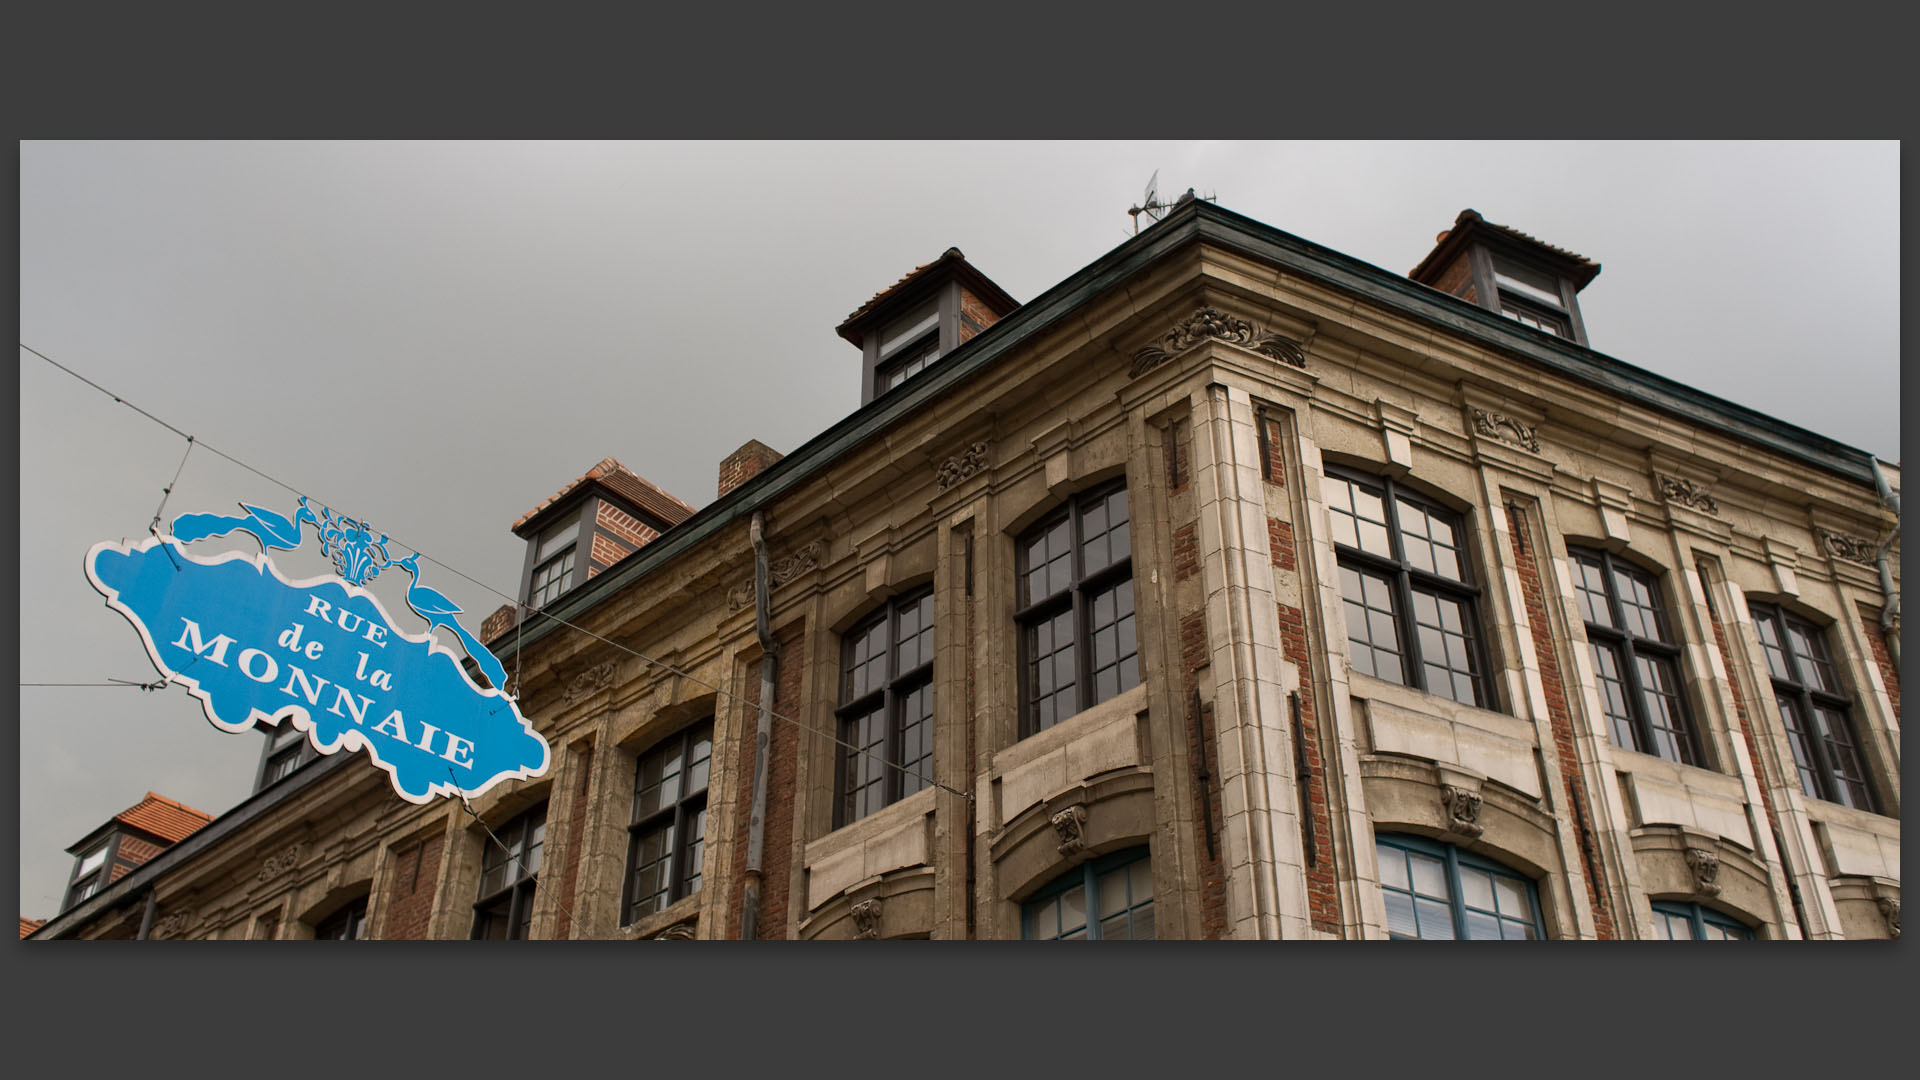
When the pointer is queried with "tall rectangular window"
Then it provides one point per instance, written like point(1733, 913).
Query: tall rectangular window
point(1635, 659)
point(886, 715)
point(1411, 602)
point(667, 837)
point(1814, 709)
point(510, 870)
point(1077, 644)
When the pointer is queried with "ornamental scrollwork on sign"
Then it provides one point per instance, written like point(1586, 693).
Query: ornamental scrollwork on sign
point(279, 863)
point(598, 677)
point(1686, 493)
point(1463, 810)
point(1068, 823)
point(779, 572)
point(1506, 429)
point(1706, 871)
point(1851, 548)
point(1212, 323)
point(866, 918)
point(961, 466)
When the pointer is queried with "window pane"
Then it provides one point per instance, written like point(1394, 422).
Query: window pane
point(1767, 627)
point(1850, 774)
point(1482, 927)
point(1590, 589)
point(1372, 634)
point(1393, 866)
point(1436, 920)
point(1446, 649)
point(1073, 910)
point(1429, 875)
point(1660, 689)
point(1639, 603)
point(1476, 889)
point(1512, 895)
point(1400, 920)
point(864, 763)
point(1799, 739)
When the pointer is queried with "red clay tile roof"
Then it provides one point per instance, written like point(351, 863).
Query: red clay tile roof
point(1471, 218)
point(628, 485)
point(1517, 234)
point(950, 253)
point(28, 926)
point(169, 820)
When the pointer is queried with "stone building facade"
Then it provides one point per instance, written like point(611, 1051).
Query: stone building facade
point(1231, 588)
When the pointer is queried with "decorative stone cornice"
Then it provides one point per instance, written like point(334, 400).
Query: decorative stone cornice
point(279, 863)
point(779, 572)
point(866, 918)
point(960, 466)
point(597, 677)
point(1851, 548)
point(1705, 865)
point(1685, 492)
point(1212, 323)
point(1462, 809)
point(1506, 429)
point(1068, 823)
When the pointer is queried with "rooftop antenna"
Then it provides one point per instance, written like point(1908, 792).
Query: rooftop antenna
point(1152, 206)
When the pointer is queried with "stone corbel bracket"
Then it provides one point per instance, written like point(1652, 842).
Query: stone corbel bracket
point(1615, 501)
point(1704, 862)
point(961, 466)
point(1459, 801)
point(1207, 324)
point(1396, 432)
point(1070, 823)
point(1853, 549)
point(1785, 560)
point(866, 918)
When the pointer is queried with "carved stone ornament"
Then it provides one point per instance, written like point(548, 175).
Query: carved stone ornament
point(1686, 493)
point(597, 677)
point(1851, 548)
point(866, 918)
point(677, 932)
point(1506, 429)
point(1706, 871)
point(173, 924)
point(779, 572)
point(1068, 824)
point(1890, 910)
point(1463, 810)
point(960, 466)
point(279, 863)
point(1211, 323)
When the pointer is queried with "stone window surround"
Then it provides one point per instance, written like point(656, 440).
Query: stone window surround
point(1686, 648)
point(1764, 711)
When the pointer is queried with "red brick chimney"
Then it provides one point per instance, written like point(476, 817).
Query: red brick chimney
point(746, 463)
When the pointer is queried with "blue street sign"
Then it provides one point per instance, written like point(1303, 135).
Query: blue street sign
point(321, 654)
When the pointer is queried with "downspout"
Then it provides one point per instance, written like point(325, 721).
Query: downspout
point(757, 825)
point(146, 917)
point(1890, 608)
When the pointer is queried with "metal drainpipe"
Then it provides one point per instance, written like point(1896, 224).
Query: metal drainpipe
point(146, 917)
point(757, 825)
point(1890, 609)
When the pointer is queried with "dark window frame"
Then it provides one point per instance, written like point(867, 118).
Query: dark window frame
point(1079, 595)
point(1088, 875)
point(287, 757)
point(1805, 697)
point(1699, 918)
point(1628, 647)
point(895, 688)
point(1404, 576)
point(518, 837)
point(348, 923)
point(1454, 858)
point(924, 351)
point(99, 877)
point(677, 816)
point(539, 594)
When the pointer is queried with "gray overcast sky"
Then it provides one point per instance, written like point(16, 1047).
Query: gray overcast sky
point(435, 336)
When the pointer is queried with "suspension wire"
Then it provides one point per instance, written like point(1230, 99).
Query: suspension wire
point(572, 919)
point(166, 492)
point(539, 611)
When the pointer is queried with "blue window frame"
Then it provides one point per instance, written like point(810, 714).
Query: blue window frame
point(1435, 891)
point(1105, 899)
point(1675, 921)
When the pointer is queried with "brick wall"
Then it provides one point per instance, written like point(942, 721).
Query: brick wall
point(746, 463)
point(1556, 694)
point(414, 871)
point(1179, 458)
point(1213, 883)
point(1877, 641)
point(777, 857)
point(1280, 541)
point(136, 851)
point(497, 623)
point(576, 839)
point(972, 308)
point(1458, 280)
point(1186, 553)
point(1273, 465)
point(1323, 891)
point(631, 529)
point(604, 552)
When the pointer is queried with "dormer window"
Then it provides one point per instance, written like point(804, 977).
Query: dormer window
point(553, 564)
point(1531, 297)
point(90, 873)
point(287, 749)
point(907, 348)
point(1507, 271)
point(906, 328)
